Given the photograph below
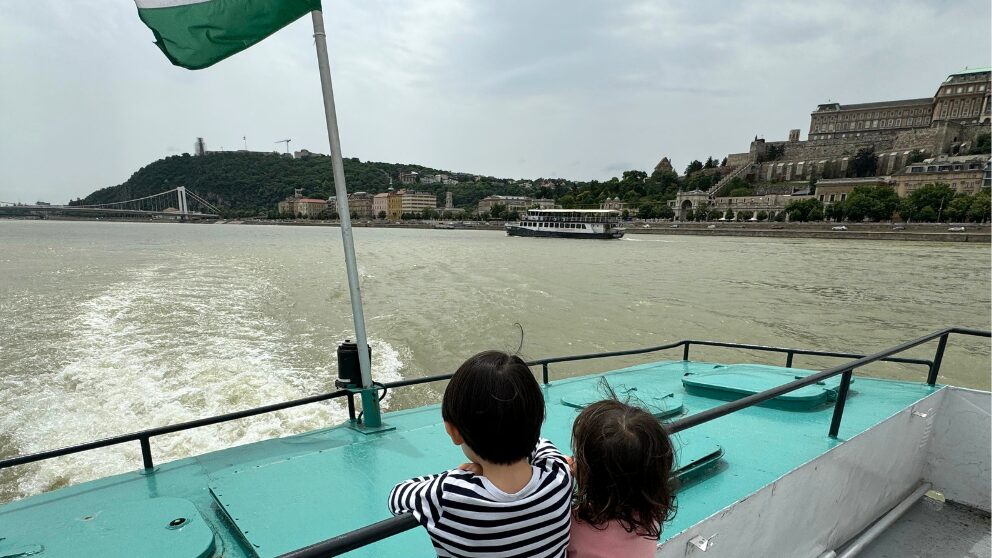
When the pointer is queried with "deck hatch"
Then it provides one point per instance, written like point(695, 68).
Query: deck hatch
point(735, 381)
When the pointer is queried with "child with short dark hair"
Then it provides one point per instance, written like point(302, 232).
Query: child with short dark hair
point(622, 463)
point(513, 498)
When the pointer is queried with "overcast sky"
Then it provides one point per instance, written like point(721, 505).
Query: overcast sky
point(572, 89)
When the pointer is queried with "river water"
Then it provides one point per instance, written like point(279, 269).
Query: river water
point(106, 328)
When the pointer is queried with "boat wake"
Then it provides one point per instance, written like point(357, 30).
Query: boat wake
point(168, 345)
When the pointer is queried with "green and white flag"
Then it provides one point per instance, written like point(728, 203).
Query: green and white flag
point(195, 34)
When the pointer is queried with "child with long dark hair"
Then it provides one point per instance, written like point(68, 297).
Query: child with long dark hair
point(622, 463)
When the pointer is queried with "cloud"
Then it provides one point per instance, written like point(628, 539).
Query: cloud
point(583, 89)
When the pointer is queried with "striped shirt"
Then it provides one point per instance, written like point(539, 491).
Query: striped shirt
point(466, 516)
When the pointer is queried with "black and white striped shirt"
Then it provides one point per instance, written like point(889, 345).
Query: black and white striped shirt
point(468, 517)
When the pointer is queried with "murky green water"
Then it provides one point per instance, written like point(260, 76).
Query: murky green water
point(110, 327)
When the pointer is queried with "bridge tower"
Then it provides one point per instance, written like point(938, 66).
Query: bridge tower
point(183, 206)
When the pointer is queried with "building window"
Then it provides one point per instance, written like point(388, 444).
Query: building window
point(843, 197)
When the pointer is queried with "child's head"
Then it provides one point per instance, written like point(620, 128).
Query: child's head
point(495, 407)
point(623, 461)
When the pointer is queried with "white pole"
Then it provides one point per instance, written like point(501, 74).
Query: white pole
point(341, 192)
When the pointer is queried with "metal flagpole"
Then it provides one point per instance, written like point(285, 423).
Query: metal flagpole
point(370, 399)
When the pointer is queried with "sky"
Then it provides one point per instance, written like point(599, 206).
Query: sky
point(517, 89)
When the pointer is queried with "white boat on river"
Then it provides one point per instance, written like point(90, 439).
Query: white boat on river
point(568, 223)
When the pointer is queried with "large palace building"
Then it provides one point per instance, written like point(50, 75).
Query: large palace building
point(899, 132)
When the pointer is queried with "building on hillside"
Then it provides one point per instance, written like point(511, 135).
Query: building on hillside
point(965, 174)
point(200, 147)
point(697, 200)
point(514, 203)
point(964, 97)
point(416, 202)
point(664, 165)
point(834, 120)
point(304, 154)
point(298, 206)
point(615, 203)
point(428, 179)
point(409, 177)
point(948, 123)
point(359, 205)
point(834, 190)
point(380, 205)
point(394, 206)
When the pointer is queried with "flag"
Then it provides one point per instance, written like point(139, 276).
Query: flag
point(196, 34)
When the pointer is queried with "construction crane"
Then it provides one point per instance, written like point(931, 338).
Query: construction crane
point(286, 141)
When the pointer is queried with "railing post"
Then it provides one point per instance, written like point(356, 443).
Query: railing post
point(544, 372)
point(845, 384)
point(788, 359)
point(935, 367)
point(146, 453)
point(351, 407)
point(685, 351)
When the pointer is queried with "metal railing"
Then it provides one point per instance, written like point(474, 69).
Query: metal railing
point(394, 525)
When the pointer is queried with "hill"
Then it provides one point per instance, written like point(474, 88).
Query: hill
point(244, 183)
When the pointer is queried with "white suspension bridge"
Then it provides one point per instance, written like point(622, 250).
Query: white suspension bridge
point(178, 203)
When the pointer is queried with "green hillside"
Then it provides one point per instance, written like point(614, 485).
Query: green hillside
point(242, 184)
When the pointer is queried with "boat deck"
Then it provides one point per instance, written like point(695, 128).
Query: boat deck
point(271, 497)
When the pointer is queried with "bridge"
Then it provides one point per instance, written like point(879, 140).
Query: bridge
point(178, 203)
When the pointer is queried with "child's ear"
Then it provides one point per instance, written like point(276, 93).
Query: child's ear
point(456, 436)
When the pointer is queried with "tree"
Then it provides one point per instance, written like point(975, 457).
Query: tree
point(762, 215)
point(979, 208)
point(864, 162)
point(744, 215)
point(877, 203)
point(983, 145)
point(710, 163)
point(690, 215)
point(729, 215)
point(772, 152)
point(915, 156)
point(694, 166)
point(497, 211)
point(957, 209)
point(382, 215)
point(723, 163)
point(803, 210)
point(934, 196)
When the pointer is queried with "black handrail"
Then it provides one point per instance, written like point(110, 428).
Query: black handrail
point(144, 436)
point(398, 524)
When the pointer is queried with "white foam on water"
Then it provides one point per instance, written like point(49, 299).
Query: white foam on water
point(166, 345)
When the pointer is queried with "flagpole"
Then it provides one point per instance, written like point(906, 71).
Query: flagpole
point(370, 399)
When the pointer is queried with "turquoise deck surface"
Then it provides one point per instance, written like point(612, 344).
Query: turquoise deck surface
point(290, 492)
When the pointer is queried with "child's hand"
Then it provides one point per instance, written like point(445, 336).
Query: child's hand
point(473, 468)
point(571, 463)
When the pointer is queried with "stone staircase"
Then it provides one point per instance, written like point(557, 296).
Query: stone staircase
point(718, 188)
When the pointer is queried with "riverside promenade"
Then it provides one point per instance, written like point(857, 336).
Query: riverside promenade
point(927, 232)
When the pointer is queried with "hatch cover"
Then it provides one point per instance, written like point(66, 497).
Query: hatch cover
point(740, 380)
point(155, 527)
point(696, 456)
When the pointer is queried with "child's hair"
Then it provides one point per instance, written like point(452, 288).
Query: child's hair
point(496, 404)
point(623, 463)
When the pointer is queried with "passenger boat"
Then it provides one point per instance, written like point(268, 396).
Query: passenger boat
point(568, 223)
point(772, 461)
